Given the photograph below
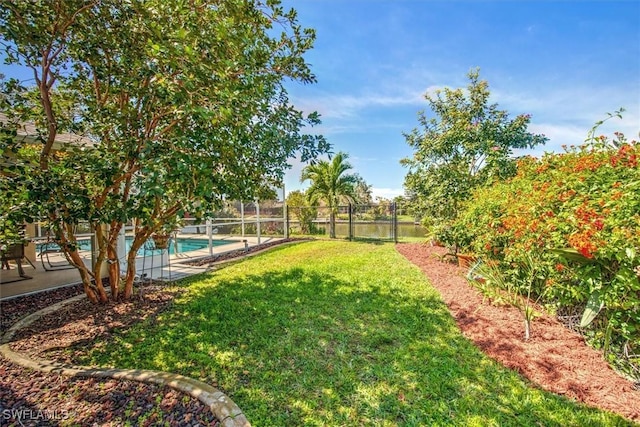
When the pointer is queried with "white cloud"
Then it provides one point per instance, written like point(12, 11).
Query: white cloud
point(433, 89)
point(570, 102)
point(391, 87)
point(568, 134)
point(566, 113)
point(387, 193)
point(348, 106)
point(558, 135)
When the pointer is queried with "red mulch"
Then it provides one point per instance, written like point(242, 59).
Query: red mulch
point(555, 358)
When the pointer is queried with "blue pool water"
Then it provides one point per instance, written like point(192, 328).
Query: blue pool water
point(84, 245)
point(184, 245)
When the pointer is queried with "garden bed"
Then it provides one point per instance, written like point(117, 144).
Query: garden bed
point(555, 357)
point(60, 400)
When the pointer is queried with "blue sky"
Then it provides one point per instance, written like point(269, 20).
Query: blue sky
point(567, 63)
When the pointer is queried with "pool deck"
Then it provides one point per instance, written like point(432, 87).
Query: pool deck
point(42, 280)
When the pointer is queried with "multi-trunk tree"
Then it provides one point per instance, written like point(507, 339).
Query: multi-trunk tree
point(184, 104)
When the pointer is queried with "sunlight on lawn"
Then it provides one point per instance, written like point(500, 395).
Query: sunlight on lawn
point(336, 333)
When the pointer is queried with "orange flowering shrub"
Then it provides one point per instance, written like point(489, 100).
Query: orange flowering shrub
point(586, 199)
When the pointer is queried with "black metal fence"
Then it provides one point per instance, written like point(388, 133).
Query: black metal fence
point(354, 222)
point(381, 221)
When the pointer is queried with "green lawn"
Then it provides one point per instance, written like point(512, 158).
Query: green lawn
point(339, 334)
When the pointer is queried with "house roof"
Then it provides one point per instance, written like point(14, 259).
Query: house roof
point(28, 132)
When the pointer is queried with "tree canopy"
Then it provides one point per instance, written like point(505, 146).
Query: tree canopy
point(362, 191)
point(467, 143)
point(184, 103)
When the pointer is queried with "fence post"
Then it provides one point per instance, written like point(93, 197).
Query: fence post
point(242, 216)
point(285, 213)
point(209, 235)
point(258, 220)
point(394, 221)
point(286, 221)
point(350, 222)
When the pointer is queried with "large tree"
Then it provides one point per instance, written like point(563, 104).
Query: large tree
point(467, 142)
point(330, 183)
point(184, 103)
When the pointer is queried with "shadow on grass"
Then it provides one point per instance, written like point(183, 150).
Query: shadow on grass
point(294, 347)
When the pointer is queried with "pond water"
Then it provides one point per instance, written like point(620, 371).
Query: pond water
point(378, 229)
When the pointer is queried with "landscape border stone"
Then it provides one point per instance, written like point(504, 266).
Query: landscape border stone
point(224, 409)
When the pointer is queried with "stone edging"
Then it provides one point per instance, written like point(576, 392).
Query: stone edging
point(224, 409)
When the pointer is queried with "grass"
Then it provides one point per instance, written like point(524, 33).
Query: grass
point(336, 333)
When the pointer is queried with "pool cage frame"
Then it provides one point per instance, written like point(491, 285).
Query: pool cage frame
point(255, 219)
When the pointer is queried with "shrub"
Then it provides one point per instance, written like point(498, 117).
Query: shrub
point(585, 201)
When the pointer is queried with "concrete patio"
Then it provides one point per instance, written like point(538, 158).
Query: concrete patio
point(171, 267)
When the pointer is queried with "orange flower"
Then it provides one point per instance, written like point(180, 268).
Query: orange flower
point(584, 243)
point(598, 224)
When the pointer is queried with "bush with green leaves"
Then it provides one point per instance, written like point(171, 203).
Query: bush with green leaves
point(467, 144)
point(578, 213)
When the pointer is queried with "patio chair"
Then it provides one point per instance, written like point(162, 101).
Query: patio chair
point(48, 248)
point(14, 253)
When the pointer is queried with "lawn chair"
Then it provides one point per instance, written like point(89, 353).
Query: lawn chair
point(15, 253)
point(48, 248)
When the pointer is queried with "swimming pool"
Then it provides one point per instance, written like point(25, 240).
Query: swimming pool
point(83, 245)
point(184, 245)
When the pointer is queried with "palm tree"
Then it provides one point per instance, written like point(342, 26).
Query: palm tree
point(330, 183)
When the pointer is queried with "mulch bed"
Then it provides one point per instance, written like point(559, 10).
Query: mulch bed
point(62, 336)
point(555, 358)
point(49, 399)
point(13, 309)
point(239, 253)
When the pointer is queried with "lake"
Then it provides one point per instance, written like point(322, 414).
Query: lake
point(376, 229)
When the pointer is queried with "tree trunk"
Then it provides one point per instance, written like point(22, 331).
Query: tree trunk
point(112, 252)
point(86, 284)
point(100, 256)
point(95, 293)
point(114, 270)
point(137, 243)
point(97, 277)
point(332, 225)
